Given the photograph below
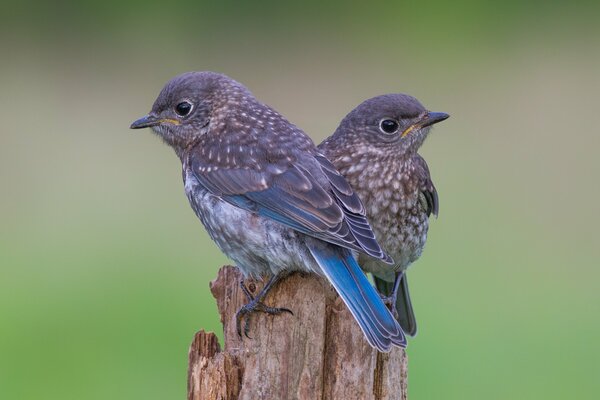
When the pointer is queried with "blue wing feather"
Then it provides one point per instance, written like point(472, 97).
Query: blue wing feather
point(377, 323)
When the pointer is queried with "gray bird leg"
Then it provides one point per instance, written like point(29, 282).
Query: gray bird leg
point(255, 304)
point(390, 300)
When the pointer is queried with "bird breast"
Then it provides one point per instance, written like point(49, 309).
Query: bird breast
point(395, 210)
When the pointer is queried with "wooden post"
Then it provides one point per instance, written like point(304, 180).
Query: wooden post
point(319, 353)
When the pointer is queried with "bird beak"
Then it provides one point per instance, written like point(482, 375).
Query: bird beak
point(145, 122)
point(150, 120)
point(429, 119)
point(433, 118)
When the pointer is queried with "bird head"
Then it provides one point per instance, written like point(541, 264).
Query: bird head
point(396, 122)
point(184, 108)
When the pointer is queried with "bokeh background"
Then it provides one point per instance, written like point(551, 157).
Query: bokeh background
point(104, 269)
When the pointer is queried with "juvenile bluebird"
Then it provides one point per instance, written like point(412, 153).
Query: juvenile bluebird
point(375, 149)
point(267, 197)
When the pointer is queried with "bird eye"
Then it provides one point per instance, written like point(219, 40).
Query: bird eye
point(183, 108)
point(389, 126)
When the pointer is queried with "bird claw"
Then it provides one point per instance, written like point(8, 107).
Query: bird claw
point(255, 306)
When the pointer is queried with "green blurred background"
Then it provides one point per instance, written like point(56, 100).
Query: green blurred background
point(104, 269)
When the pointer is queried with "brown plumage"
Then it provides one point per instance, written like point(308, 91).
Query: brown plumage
point(375, 149)
point(267, 197)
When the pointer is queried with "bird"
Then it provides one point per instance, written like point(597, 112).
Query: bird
point(375, 148)
point(268, 198)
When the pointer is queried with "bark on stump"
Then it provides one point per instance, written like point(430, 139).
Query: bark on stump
point(318, 353)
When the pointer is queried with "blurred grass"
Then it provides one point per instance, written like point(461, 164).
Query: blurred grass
point(104, 269)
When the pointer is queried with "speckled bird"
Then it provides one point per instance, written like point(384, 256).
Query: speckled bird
point(267, 197)
point(375, 149)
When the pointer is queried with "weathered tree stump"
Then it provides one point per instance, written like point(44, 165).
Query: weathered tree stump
point(317, 353)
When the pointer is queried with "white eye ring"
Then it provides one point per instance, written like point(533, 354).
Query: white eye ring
point(184, 108)
point(389, 126)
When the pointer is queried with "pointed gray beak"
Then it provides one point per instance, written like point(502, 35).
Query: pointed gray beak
point(433, 118)
point(428, 119)
point(145, 122)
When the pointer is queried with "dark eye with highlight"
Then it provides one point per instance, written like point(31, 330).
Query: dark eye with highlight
point(389, 126)
point(183, 108)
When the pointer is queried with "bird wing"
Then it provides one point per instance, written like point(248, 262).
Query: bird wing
point(308, 195)
point(377, 323)
point(426, 186)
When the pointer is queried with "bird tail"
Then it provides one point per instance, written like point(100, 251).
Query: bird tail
point(377, 323)
point(406, 315)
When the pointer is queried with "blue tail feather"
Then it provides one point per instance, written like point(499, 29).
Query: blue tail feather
point(377, 323)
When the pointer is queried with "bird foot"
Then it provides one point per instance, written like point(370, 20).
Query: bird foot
point(254, 305)
point(243, 314)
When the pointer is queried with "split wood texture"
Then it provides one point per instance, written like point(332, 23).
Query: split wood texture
point(319, 353)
